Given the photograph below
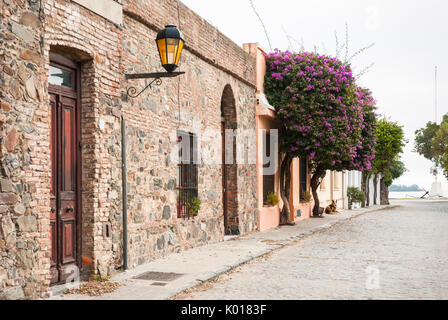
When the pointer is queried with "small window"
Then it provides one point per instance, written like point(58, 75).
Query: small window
point(303, 170)
point(268, 180)
point(61, 77)
point(322, 184)
point(187, 173)
point(337, 181)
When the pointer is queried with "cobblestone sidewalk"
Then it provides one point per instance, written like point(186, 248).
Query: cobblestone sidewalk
point(208, 262)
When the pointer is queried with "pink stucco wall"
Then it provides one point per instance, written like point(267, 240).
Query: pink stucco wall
point(269, 217)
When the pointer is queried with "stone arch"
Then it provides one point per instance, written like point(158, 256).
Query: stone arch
point(229, 125)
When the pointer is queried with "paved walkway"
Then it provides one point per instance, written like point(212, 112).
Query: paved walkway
point(392, 254)
point(207, 262)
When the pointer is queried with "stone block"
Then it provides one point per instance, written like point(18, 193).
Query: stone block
point(14, 293)
point(21, 32)
point(8, 198)
point(27, 223)
point(166, 213)
point(6, 186)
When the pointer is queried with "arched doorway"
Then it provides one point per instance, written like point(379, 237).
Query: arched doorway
point(65, 217)
point(229, 126)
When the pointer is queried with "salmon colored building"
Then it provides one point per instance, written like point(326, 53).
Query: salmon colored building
point(333, 188)
point(269, 216)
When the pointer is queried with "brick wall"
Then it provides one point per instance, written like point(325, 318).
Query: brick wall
point(105, 53)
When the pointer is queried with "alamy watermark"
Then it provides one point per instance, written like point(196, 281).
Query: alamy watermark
point(229, 146)
point(373, 280)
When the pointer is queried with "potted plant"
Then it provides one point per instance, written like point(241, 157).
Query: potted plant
point(354, 195)
point(272, 199)
point(307, 197)
point(195, 205)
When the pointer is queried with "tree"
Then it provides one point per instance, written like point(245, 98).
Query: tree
point(390, 143)
point(439, 146)
point(432, 143)
point(321, 112)
point(423, 140)
point(395, 171)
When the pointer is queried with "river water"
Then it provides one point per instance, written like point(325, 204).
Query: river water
point(406, 195)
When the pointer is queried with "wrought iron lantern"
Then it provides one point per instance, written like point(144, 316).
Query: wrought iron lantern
point(170, 44)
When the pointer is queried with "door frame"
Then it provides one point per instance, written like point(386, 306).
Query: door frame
point(61, 61)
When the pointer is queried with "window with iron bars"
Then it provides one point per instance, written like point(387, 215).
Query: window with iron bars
point(187, 173)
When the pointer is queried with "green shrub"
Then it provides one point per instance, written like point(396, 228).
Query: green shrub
point(195, 206)
point(307, 197)
point(355, 195)
point(272, 199)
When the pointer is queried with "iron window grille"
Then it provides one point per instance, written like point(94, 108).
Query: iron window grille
point(187, 174)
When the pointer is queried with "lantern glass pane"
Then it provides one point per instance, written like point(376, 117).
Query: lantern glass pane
point(179, 51)
point(172, 45)
point(161, 44)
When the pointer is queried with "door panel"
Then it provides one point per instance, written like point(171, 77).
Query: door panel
point(68, 149)
point(68, 180)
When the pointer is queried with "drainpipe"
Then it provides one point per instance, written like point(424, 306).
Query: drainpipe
point(125, 194)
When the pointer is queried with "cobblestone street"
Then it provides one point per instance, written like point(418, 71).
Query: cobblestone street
point(393, 254)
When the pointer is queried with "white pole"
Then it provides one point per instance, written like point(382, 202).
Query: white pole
point(436, 93)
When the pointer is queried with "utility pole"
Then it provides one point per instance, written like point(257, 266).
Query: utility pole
point(436, 112)
point(436, 93)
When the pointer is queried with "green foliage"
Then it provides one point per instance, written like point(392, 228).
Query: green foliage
point(355, 195)
point(440, 147)
point(272, 199)
point(195, 206)
point(423, 140)
point(432, 143)
point(390, 143)
point(307, 197)
point(393, 172)
point(100, 278)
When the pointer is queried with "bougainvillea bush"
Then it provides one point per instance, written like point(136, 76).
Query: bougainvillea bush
point(326, 118)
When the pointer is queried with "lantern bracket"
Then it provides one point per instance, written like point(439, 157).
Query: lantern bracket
point(157, 80)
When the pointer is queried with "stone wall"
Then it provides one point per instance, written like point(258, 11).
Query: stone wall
point(24, 174)
point(191, 103)
point(105, 52)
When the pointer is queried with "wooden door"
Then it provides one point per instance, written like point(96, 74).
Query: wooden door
point(225, 180)
point(65, 159)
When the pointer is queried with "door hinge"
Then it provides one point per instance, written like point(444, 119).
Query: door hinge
point(80, 144)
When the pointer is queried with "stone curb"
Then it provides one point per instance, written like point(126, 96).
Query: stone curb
point(216, 274)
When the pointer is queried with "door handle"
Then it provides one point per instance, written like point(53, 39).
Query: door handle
point(53, 210)
point(69, 209)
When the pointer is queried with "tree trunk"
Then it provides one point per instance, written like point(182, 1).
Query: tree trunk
point(364, 188)
point(384, 193)
point(368, 191)
point(316, 180)
point(285, 190)
point(375, 189)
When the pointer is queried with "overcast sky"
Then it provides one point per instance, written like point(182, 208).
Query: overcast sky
point(411, 38)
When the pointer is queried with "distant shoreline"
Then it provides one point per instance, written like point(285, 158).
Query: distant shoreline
point(401, 188)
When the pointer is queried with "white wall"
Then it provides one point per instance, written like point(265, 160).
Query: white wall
point(354, 179)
